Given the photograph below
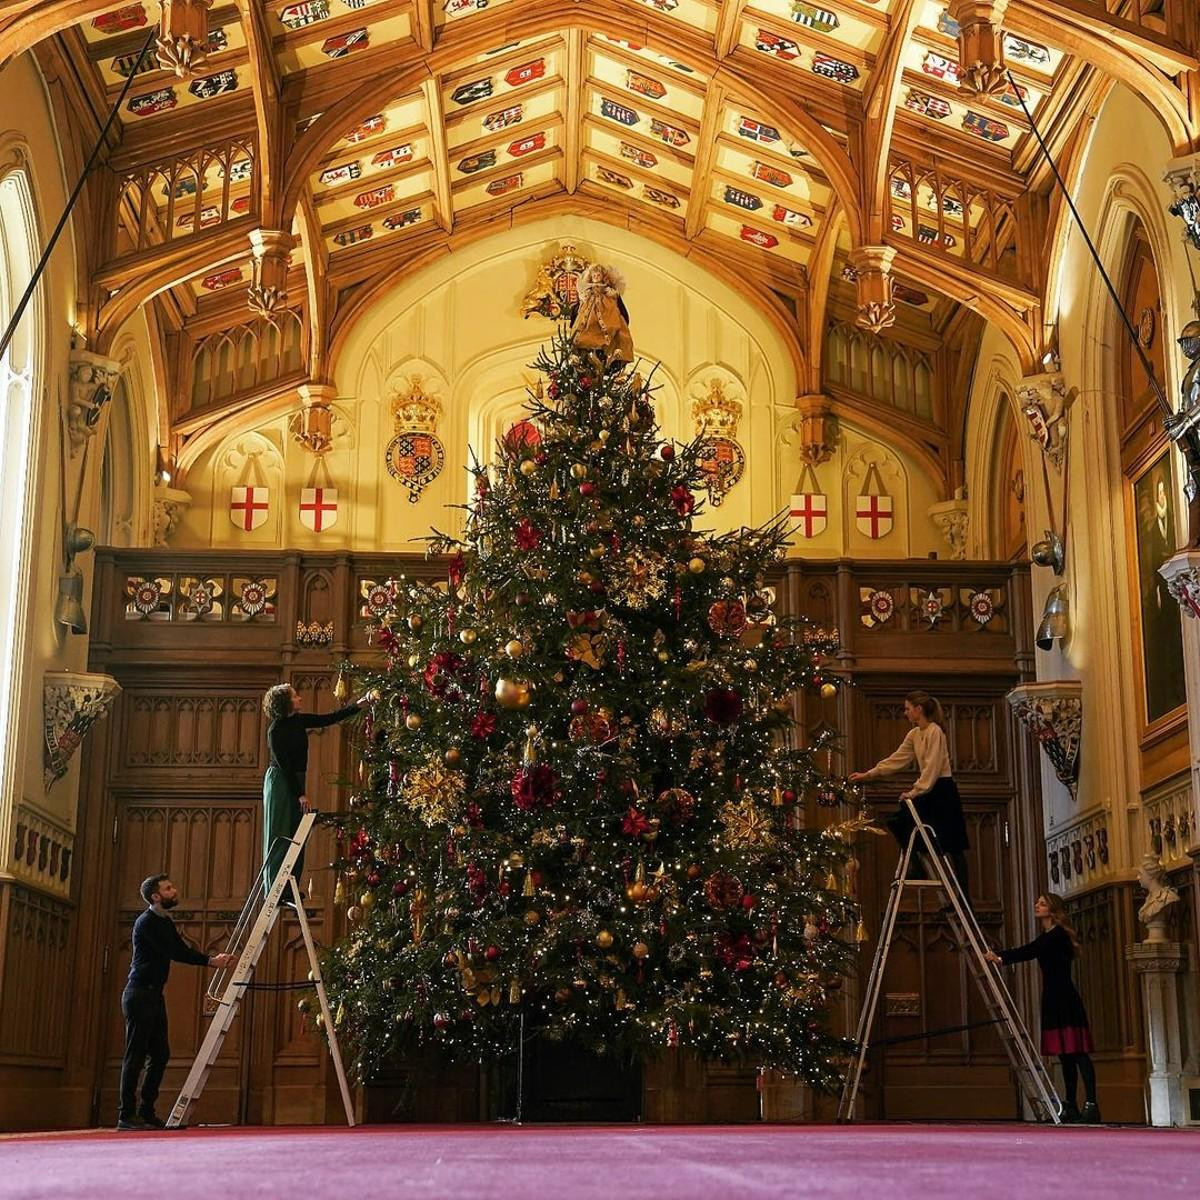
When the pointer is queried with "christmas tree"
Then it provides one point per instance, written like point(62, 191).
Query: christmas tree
point(581, 795)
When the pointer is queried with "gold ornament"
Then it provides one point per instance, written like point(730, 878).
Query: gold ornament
point(416, 622)
point(354, 914)
point(413, 721)
point(528, 467)
point(467, 636)
point(414, 661)
point(696, 566)
point(367, 901)
point(514, 649)
point(640, 950)
point(434, 793)
point(746, 825)
point(579, 470)
point(640, 577)
point(339, 893)
point(828, 690)
point(341, 689)
point(604, 939)
point(513, 693)
point(452, 757)
point(532, 916)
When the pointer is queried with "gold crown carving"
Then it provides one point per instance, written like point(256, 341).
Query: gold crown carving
point(716, 414)
point(414, 410)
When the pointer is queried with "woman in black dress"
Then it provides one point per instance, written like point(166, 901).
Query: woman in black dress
point(1065, 1029)
point(284, 798)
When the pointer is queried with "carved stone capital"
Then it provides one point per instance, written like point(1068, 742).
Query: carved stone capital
point(169, 506)
point(1182, 573)
point(1152, 957)
point(1044, 401)
point(873, 277)
point(1183, 178)
point(267, 295)
point(981, 67)
point(92, 378)
point(1053, 713)
point(312, 426)
point(817, 427)
point(952, 517)
point(72, 702)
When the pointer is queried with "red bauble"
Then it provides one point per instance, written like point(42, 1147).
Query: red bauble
point(373, 879)
point(579, 707)
point(440, 1020)
point(666, 452)
point(552, 390)
point(723, 705)
point(585, 381)
point(450, 959)
point(747, 901)
point(399, 887)
point(587, 488)
point(492, 953)
point(596, 586)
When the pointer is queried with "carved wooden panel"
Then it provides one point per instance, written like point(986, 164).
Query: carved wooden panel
point(35, 1000)
point(211, 852)
point(168, 729)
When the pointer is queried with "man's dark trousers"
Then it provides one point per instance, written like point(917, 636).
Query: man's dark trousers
point(145, 1046)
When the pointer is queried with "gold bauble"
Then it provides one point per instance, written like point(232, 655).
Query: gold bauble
point(513, 693)
point(532, 916)
point(636, 892)
point(413, 721)
point(696, 566)
point(515, 648)
point(528, 467)
point(604, 939)
point(597, 552)
point(367, 900)
point(578, 471)
point(604, 435)
point(453, 756)
point(467, 636)
point(414, 661)
point(828, 690)
point(639, 522)
point(416, 622)
point(663, 656)
point(640, 950)
point(354, 914)
point(751, 664)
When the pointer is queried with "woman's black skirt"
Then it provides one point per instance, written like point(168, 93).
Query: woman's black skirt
point(941, 808)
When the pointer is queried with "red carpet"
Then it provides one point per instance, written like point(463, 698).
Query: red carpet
point(611, 1163)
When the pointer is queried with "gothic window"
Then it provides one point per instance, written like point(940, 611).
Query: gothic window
point(20, 366)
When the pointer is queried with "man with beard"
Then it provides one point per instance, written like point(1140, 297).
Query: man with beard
point(156, 944)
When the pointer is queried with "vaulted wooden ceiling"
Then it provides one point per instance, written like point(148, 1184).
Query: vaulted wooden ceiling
point(775, 141)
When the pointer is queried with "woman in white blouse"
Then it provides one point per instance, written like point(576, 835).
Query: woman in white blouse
point(935, 793)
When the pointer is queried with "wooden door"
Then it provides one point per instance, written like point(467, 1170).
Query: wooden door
point(210, 849)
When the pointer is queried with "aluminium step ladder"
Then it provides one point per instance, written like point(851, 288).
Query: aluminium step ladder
point(228, 985)
point(1033, 1079)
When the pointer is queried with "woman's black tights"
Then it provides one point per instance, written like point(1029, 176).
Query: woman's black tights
point(1074, 1065)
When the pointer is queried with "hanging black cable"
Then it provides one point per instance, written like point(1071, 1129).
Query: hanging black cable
point(19, 311)
point(1155, 386)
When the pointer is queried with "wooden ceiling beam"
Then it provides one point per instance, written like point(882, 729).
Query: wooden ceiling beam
point(576, 70)
point(268, 112)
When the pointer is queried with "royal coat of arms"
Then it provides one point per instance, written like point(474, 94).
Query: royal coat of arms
point(415, 456)
point(555, 294)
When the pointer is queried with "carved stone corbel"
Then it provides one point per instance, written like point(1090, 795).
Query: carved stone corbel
point(952, 517)
point(182, 42)
point(169, 506)
point(72, 703)
point(1044, 400)
point(873, 276)
point(312, 426)
point(817, 427)
point(267, 294)
point(1053, 713)
point(981, 67)
point(92, 378)
point(1182, 573)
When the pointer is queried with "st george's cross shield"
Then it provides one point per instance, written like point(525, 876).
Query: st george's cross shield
point(873, 512)
point(248, 507)
point(318, 508)
point(809, 509)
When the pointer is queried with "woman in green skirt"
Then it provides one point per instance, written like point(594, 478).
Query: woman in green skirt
point(284, 798)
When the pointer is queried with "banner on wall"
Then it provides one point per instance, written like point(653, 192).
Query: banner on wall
point(249, 507)
point(809, 509)
point(873, 515)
